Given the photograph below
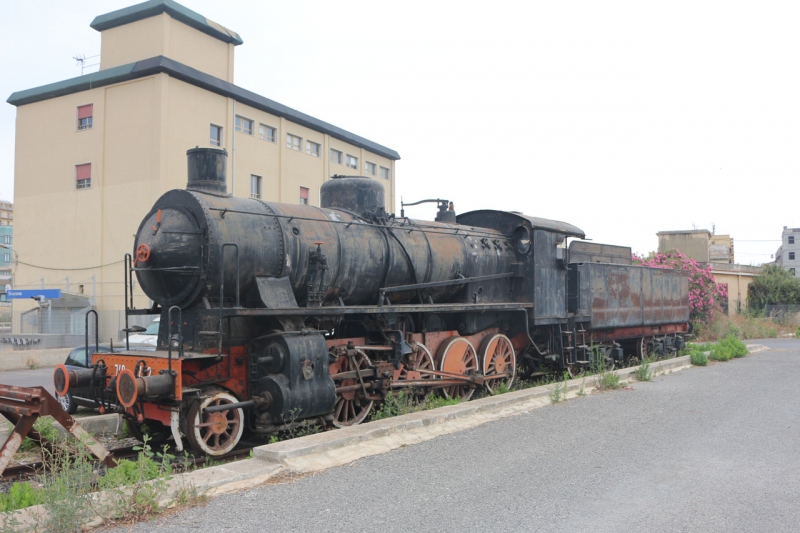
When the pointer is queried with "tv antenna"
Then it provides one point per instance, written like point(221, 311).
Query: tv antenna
point(82, 59)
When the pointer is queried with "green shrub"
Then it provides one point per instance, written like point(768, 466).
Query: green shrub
point(736, 347)
point(797, 332)
point(720, 353)
point(608, 381)
point(19, 496)
point(698, 358)
point(394, 406)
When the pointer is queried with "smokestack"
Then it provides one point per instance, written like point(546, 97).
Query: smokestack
point(207, 170)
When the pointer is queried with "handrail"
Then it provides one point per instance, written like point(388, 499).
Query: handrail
point(96, 334)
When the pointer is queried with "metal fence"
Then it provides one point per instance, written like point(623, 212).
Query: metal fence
point(782, 311)
point(57, 328)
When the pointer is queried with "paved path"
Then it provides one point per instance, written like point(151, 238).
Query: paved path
point(29, 378)
point(706, 449)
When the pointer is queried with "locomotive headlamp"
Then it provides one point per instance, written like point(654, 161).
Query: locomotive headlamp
point(522, 237)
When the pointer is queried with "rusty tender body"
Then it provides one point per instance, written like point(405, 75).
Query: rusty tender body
point(275, 315)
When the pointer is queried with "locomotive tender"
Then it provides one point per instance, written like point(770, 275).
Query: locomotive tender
point(274, 315)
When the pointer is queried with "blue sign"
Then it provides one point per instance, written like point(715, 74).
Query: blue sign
point(50, 294)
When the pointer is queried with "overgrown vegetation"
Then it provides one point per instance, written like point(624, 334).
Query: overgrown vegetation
point(403, 404)
point(728, 348)
point(749, 325)
point(607, 381)
point(71, 477)
point(559, 392)
point(774, 285)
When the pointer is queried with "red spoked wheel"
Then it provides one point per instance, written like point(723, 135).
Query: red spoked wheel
point(214, 433)
point(352, 406)
point(417, 366)
point(498, 357)
point(457, 356)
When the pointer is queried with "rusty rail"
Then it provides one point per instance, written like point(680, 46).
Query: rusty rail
point(22, 406)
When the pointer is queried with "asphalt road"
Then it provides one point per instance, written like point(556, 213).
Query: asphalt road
point(29, 378)
point(707, 449)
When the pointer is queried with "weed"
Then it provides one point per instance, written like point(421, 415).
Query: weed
point(435, 402)
point(797, 332)
point(46, 429)
point(19, 496)
point(643, 373)
point(273, 439)
point(699, 358)
point(608, 381)
point(394, 405)
point(502, 388)
point(582, 391)
point(559, 392)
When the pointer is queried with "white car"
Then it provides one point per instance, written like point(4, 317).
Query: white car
point(149, 336)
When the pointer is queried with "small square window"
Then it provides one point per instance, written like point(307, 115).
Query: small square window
point(85, 113)
point(312, 148)
point(294, 142)
point(244, 125)
point(791, 239)
point(216, 135)
point(267, 133)
point(369, 168)
point(791, 256)
point(336, 156)
point(255, 186)
point(83, 176)
point(385, 173)
point(304, 195)
point(351, 161)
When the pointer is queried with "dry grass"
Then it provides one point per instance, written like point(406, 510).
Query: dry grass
point(746, 327)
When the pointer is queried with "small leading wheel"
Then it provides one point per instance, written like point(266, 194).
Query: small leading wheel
point(214, 433)
point(157, 433)
point(67, 403)
point(352, 407)
point(414, 367)
point(498, 357)
point(457, 356)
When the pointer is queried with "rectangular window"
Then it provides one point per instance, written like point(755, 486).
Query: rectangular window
point(255, 186)
point(7, 258)
point(267, 133)
point(336, 156)
point(351, 161)
point(791, 256)
point(216, 135)
point(369, 168)
point(294, 142)
point(385, 173)
point(304, 195)
point(312, 148)
point(791, 239)
point(85, 116)
point(244, 125)
point(7, 239)
point(83, 176)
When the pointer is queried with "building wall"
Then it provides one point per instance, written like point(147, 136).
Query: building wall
point(737, 287)
point(137, 148)
point(782, 257)
point(164, 36)
point(693, 244)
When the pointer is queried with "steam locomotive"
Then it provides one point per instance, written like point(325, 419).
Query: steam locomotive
point(275, 315)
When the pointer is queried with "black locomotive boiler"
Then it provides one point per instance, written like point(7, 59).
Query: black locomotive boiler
point(273, 314)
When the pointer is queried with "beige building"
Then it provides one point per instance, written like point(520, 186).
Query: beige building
point(94, 152)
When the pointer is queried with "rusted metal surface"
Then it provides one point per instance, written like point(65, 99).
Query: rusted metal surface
point(592, 252)
point(636, 332)
point(622, 296)
point(22, 406)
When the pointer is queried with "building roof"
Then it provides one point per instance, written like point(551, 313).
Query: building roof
point(686, 232)
point(161, 64)
point(154, 8)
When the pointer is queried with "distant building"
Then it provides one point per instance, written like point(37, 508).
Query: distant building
point(698, 244)
point(788, 254)
point(717, 251)
point(6, 251)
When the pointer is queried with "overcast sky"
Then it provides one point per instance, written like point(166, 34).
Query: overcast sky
point(623, 118)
